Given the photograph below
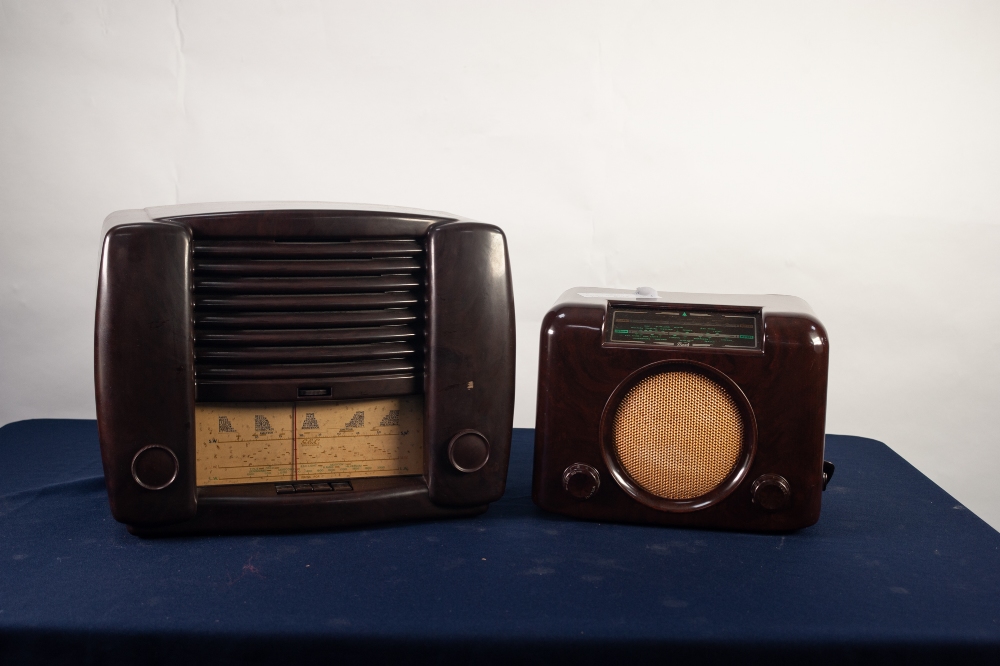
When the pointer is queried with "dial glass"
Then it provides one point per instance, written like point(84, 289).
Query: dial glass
point(251, 442)
point(685, 328)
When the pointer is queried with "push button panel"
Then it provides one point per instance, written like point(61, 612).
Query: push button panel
point(313, 487)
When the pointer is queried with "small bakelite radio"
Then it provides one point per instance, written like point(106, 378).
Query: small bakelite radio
point(682, 409)
point(301, 366)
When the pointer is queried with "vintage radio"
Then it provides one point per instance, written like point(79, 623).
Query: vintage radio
point(301, 366)
point(682, 409)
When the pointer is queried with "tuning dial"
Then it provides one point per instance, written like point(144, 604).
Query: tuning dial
point(155, 467)
point(581, 481)
point(771, 492)
point(468, 451)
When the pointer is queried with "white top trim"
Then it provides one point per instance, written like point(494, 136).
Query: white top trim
point(772, 302)
point(138, 215)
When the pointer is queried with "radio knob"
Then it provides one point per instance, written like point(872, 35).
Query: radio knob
point(468, 451)
point(155, 467)
point(581, 481)
point(771, 492)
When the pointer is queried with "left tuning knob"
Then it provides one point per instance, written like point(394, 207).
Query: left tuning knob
point(155, 467)
point(581, 481)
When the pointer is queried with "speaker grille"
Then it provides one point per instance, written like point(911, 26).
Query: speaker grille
point(307, 310)
point(678, 434)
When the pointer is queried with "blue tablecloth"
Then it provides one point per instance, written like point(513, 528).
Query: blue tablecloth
point(896, 570)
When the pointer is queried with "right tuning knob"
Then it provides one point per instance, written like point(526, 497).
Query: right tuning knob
point(771, 492)
point(468, 451)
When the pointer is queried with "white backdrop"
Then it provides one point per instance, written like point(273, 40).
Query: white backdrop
point(848, 153)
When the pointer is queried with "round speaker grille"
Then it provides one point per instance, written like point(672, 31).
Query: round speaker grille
point(678, 434)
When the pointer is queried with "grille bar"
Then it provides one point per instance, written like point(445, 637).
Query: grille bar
point(307, 285)
point(308, 370)
point(204, 320)
point(306, 249)
point(303, 267)
point(308, 336)
point(304, 311)
point(304, 354)
point(300, 302)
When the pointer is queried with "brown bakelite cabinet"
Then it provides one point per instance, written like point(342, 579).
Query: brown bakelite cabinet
point(224, 333)
point(682, 409)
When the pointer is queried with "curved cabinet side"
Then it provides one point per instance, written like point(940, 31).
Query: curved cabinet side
point(143, 359)
point(469, 380)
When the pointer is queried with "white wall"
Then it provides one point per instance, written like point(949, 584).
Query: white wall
point(848, 153)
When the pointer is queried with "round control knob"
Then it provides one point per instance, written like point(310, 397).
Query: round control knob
point(468, 451)
point(771, 492)
point(581, 481)
point(155, 467)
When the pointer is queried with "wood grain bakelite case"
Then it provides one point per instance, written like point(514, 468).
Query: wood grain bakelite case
point(301, 366)
point(682, 409)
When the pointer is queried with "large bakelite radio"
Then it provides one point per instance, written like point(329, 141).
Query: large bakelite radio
point(682, 409)
point(301, 366)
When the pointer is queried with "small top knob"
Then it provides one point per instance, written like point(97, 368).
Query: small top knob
point(771, 492)
point(581, 481)
point(646, 292)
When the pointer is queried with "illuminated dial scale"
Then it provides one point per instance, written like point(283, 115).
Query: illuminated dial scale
point(258, 442)
point(683, 328)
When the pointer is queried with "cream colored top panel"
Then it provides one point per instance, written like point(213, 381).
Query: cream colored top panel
point(135, 215)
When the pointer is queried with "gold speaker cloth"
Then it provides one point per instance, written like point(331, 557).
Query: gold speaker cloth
point(678, 434)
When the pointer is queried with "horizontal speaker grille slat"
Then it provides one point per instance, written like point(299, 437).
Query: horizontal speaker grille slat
point(307, 337)
point(292, 267)
point(307, 285)
point(307, 370)
point(307, 310)
point(306, 249)
point(305, 354)
point(300, 302)
point(306, 320)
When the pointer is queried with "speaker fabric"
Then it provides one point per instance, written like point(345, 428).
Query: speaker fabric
point(678, 434)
